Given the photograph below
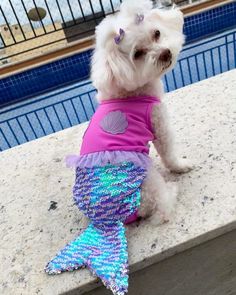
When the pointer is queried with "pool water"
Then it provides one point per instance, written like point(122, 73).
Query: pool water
point(74, 104)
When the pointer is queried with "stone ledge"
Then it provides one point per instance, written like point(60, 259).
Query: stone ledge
point(206, 269)
point(37, 213)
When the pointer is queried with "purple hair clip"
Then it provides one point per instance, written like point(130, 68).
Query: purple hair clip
point(119, 37)
point(139, 19)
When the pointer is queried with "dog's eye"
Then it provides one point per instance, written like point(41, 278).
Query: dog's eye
point(139, 53)
point(157, 34)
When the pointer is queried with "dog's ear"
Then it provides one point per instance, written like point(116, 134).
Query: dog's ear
point(132, 8)
point(172, 18)
point(121, 68)
point(101, 73)
point(110, 68)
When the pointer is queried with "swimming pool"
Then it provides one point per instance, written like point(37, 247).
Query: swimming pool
point(74, 104)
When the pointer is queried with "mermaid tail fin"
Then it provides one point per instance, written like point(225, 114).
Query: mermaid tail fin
point(71, 257)
point(103, 249)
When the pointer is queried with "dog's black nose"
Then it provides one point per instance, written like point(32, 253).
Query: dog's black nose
point(165, 56)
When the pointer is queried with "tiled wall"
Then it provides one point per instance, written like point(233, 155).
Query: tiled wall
point(76, 68)
point(210, 21)
point(49, 76)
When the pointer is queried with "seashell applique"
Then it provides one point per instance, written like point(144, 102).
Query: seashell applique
point(114, 122)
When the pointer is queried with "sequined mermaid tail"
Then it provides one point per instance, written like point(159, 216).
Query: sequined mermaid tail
point(103, 251)
point(108, 196)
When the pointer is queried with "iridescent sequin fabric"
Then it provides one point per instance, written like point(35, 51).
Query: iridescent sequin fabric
point(107, 196)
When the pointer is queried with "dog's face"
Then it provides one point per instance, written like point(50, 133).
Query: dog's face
point(137, 46)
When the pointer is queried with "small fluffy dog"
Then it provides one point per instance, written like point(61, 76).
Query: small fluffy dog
point(115, 181)
point(134, 49)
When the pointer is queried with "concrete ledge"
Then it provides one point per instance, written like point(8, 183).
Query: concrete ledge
point(38, 216)
point(209, 269)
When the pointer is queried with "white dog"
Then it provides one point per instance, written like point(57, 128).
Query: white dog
point(148, 42)
point(134, 49)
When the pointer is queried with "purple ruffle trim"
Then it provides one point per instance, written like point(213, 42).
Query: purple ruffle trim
point(108, 157)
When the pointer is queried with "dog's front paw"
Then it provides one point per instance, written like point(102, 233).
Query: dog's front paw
point(181, 166)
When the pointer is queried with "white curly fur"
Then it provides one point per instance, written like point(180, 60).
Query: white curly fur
point(116, 73)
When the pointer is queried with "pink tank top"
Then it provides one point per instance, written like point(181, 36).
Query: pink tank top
point(120, 125)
